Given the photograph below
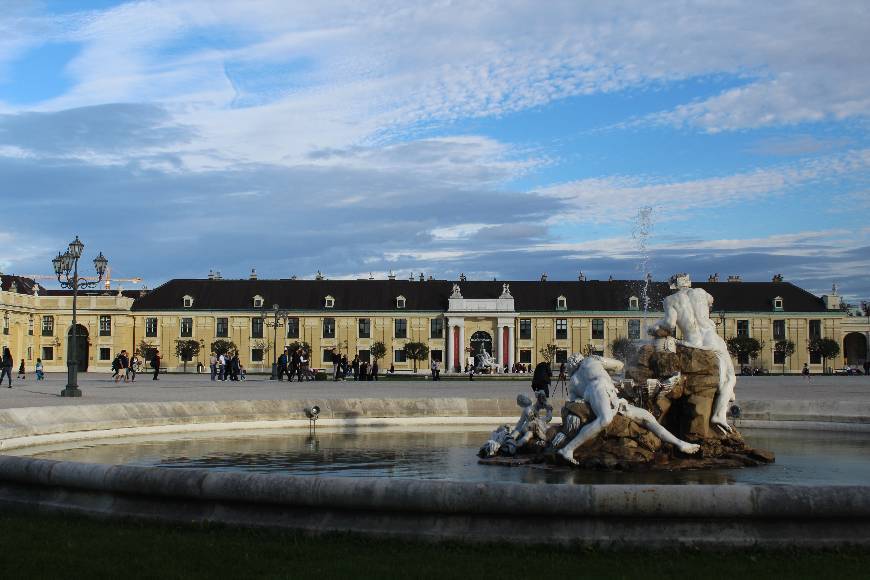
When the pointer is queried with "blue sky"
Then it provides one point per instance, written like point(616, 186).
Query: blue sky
point(498, 139)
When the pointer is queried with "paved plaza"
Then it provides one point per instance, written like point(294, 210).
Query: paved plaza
point(99, 389)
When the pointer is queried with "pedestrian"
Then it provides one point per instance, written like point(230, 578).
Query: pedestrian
point(40, 373)
point(336, 360)
point(434, 370)
point(243, 374)
point(375, 370)
point(355, 365)
point(866, 367)
point(155, 364)
point(235, 367)
point(222, 367)
point(806, 371)
point(21, 374)
point(541, 378)
point(116, 364)
point(199, 367)
point(6, 366)
point(123, 365)
point(212, 365)
point(294, 365)
point(362, 371)
point(133, 368)
point(282, 365)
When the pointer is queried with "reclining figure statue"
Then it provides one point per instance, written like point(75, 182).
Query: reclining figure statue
point(591, 382)
point(689, 310)
point(532, 425)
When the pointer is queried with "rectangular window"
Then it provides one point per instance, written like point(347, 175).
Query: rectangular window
point(634, 329)
point(329, 328)
point(222, 328)
point(399, 356)
point(48, 353)
point(778, 358)
point(48, 326)
point(151, 327)
point(365, 328)
point(30, 327)
point(561, 328)
point(525, 356)
point(437, 355)
point(742, 328)
point(105, 326)
point(257, 327)
point(105, 353)
point(327, 355)
point(598, 328)
point(256, 355)
point(561, 355)
point(779, 329)
point(186, 327)
point(365, 355)
point(436, 328)
point(525, 328)
point(293, 328)
point(815, 329)
point(29, 353)
point(401, 330)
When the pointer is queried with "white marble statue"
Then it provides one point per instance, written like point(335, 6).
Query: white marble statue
point(591, 381)
point(496, 440)
point(534, 419)
point(487, 361)
point(689, 310)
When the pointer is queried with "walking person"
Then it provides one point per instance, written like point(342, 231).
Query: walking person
point(133, 368)
point(434, 370)
point(7, 366)
point(222, 367)
point(294, 365)
point(336, 361)
point(40, 373)
point(212, 365)
point(355, 365)
point(155, 364)
point(375, 370)
point(806, 372)
point(866, 367)
point(282, 365)
point(123, 365)
point(21, 374)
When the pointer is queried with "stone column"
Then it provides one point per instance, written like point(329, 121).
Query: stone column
point(461, 352)
point(448, 349)
point(511, 346)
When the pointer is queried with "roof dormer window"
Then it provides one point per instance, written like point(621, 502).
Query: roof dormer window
point(258, 301)
point(188, 301)
point(633, 303)
point(329, 302)
point(561, 303)
point(400, 301)
point(778, 304)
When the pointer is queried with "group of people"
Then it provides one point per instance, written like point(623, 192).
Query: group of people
point(125, 366)
point(227, 366)
point(360, 370)
point(7, 362)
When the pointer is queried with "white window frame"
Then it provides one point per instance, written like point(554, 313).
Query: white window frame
point(328, 301)
point(400, 302)
point(187, 301)
point(634, 303)
point(778, 304)
point(561, 303)
point(258, 301)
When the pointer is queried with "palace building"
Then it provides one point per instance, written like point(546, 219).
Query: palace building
point(512, 320)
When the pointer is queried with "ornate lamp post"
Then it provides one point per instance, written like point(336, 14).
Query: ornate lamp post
point(279, 316)
point(66, 266)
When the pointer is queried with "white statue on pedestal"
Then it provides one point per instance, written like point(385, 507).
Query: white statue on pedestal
point(534, 420)
point(689, 310)
point(488, 362)
point(591, 382)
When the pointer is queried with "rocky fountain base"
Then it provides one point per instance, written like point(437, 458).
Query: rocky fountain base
point(677, 388)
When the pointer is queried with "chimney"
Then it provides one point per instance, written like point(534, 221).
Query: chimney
point(544, 277)
point(422, 278)
point(610, 278)
point(411, 277)
point(217, 275)
point(777, 278)
point(832, 300)
point(431, 277)
point(391, 276)
point(253, 274)
point(734, 278)
point(211, 274)
point(293, 277)
point(713, 277)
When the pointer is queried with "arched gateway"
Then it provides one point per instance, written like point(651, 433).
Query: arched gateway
point(81, 346)
point(855, 348)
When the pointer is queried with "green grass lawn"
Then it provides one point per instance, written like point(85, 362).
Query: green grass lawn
point(42, 546)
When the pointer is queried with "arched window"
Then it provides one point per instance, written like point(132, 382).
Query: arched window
point(561, 303)
point(188, 301)
point(400, 301)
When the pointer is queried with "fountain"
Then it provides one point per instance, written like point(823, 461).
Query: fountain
point(669, 411)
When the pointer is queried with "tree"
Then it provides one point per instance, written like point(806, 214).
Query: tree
point(824, 347)
point(186, 350)
point(416, 351)
point(786, 348)
point(262, 345)
point(744, 346)
point(624, 349)
point(146, 349)
point(296, 345)
point(221, 346)
point(548, 353)
point(378, 350)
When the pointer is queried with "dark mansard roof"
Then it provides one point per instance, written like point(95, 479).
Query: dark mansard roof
point(23, 285)
point(432, 295)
